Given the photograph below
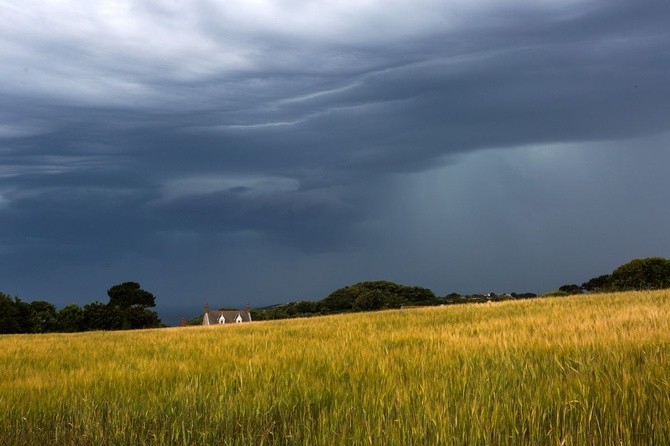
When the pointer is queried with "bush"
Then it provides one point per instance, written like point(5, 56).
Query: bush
point(377, 295)
point(651, 273)
point(556, 293)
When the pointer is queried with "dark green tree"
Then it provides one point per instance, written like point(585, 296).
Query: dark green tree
point(340, 300)
point(303, 308)
point(132, 302)
point(43, 317)
point(9, 315)
point(524, 295)
point(24, 316)
point(418, 296)
point(369, 300)
point(307, 308)
point(17, 316)
point(128, 294)
point(571, 289)
point(138, 318)
point(651, 273)
point(596, 284)
point(70, 319)
point(385, 294)
point(98, 316)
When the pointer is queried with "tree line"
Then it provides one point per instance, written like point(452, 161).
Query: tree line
point(128, 308)
point(373, 296)
point(638, 274)
point(650, 273)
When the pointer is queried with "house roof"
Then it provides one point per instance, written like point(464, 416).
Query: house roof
point(229, 316)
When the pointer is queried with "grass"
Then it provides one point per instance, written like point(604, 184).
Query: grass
point(588, 370)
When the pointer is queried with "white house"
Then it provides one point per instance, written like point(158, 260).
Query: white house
point(220, 317)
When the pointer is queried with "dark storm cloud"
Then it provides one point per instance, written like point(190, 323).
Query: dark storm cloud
point(126, 129)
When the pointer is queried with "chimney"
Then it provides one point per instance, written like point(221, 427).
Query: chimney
point(248, 309)
point(206, 308)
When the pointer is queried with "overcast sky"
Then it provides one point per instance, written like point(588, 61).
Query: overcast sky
point(251, 151)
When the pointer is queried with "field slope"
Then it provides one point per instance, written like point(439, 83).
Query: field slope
point(564, 371)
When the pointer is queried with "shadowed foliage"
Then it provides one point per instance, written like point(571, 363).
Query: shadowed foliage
point(651, 273)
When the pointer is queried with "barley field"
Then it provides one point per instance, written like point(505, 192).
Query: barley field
point(587, 370)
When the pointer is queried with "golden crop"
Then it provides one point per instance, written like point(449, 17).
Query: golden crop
point(587, 370)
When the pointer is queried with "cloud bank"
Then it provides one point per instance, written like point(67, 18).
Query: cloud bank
point(272, 150)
